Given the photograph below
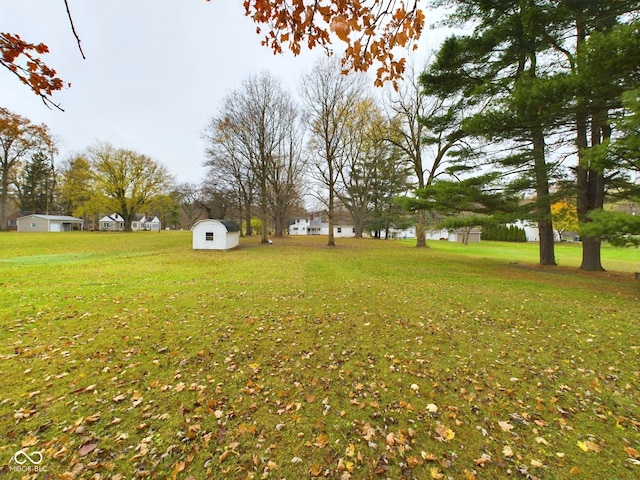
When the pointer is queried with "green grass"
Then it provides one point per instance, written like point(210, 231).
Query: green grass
point(133, 356)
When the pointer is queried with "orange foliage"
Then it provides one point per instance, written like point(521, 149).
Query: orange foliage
point(32, 71)
point(370, 29)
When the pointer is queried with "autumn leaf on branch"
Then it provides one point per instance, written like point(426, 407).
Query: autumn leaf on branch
point(23, 60)
point(370, 29)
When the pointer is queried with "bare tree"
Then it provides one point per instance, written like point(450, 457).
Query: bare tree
point(286, 180)
point(188, 201)
point(251, 136)
point(227, 165)
point(425, 128)
point(330, 98)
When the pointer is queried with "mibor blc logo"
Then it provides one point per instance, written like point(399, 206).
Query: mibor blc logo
point(27, 462)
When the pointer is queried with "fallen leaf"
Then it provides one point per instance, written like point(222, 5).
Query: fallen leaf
point(93, 418)
point(29, 441)
point(322, 440)
point(632, 452)
point(542, 440)
point(177, 468)
point(60, 453)
point(436, 474)
point(484, 458)
point(594, 447)
point(505, 426)
point(445, 433)
point(391, 439)
point(507, 451)
point(315, 470)
point(87, 448)
point(429, 457)
point(432, 408)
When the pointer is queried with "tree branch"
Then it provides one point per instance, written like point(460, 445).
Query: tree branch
point(73, 28)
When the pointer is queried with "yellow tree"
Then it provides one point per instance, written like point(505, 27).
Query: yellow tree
point(127, 179)
point(564, 217)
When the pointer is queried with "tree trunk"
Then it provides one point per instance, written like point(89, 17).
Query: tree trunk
point(545, 226)
point(358, 225)
point(589, 183)
point(421, 230)
point(591, 191)
point(4, 198)
point(247, 219)
point(331, 242)
point(265, 226)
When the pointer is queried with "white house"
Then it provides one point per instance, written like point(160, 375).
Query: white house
point(111, 223)
point(456, 235)
point(317, 226)
point(215, 235)
point(532, 233)
point(145, 222)
point(48, 223)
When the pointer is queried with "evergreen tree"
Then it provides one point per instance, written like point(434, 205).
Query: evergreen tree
point(36, 185)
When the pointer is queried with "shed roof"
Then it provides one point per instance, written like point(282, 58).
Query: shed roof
point(59, 218)
point(229, 225)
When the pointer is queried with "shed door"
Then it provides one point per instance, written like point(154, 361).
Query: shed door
point(54, 227)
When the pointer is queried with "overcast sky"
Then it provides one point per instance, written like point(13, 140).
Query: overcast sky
point(156, 72)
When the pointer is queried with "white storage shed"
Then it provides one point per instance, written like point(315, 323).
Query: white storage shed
point(215, 235)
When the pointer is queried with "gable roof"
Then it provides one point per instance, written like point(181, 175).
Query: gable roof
point(59, 218)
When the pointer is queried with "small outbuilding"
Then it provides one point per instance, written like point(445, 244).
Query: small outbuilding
point(215, 235)
point(48, 223)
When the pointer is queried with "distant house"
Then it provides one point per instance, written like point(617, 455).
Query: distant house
point(111, 223)
point(456, 235)
point(145, 222)
point(48, 223)
point(317, 224)
point(12, 220)
point(532, 233)
point(115, 223)
point(215, 235)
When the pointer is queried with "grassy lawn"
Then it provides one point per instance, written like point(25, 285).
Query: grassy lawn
point(132, 356)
